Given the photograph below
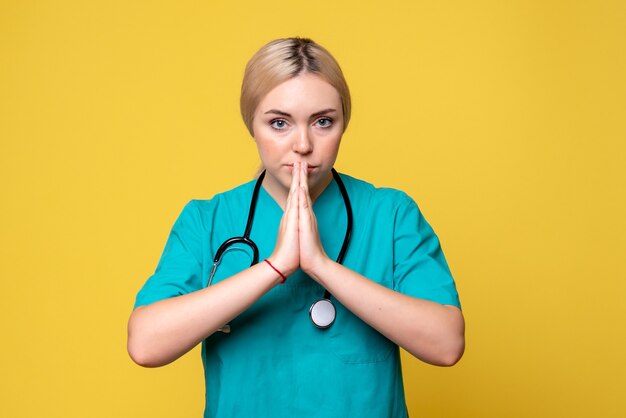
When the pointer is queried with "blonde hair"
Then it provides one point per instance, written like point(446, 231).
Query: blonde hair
point(283, 59)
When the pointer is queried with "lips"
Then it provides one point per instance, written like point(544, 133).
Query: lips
point(309, 169)
point(310, 166)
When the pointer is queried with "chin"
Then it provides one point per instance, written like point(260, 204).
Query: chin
point(278, 177)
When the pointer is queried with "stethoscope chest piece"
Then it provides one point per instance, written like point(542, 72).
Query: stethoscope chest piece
point(322, 313)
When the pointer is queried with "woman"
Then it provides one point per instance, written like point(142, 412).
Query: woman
point(266, 350)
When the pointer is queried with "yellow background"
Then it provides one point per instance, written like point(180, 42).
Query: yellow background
point(505, 120)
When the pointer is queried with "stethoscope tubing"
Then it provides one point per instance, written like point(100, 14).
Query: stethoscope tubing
point(245, 239)
point(324, 302)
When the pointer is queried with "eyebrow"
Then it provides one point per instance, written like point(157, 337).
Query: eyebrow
point(281, 113)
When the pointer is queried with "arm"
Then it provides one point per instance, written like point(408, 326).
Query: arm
point(161, 332)
point(430, 331)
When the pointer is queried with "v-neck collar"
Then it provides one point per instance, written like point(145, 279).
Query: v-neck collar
point(327, 194)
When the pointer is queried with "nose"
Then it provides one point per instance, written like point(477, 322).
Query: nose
point(302, 143)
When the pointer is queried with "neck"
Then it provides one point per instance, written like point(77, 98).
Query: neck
point(319, 188)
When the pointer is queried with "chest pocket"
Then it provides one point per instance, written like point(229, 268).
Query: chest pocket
point(355, 342)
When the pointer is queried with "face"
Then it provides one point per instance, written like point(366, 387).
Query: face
point(300, 120)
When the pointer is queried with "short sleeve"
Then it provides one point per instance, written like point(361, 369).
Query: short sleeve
point(420, 268)
point(179, 270)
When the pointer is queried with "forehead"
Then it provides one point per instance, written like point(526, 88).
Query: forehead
point(301, 94)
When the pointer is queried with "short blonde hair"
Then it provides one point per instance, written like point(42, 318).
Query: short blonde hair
point(283, 59)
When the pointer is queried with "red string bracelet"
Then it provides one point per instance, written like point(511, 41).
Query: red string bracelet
point(276, 270)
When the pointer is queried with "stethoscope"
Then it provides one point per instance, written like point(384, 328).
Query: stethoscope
point(322, 312)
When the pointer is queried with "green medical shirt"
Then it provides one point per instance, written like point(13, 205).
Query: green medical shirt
point(275, 362)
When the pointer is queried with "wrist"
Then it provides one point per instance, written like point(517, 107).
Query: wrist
point(284, 268)
point(317, 269)
point(282, 276)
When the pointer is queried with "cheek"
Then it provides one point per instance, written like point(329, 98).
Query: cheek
point(267, 147)
point(332, 147)
point(269, 150)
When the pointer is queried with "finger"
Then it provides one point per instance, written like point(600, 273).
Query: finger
point(306, 213)
point(295, 181)
point(303, 209)
point(295, 176)
point(305, 185)
point(292, 212)
point(304, 175)
point(306, 218)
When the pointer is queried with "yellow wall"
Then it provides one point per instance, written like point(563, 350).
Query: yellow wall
point(505, 120)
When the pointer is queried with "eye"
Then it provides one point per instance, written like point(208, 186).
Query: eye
point(324, 122)
point(278, 124)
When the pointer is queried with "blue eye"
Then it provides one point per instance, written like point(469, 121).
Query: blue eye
point(324, 122)
point(278, 124)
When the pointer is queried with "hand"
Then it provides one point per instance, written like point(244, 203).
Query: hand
point(311, 249)
point(286, 255)
point(298, 244)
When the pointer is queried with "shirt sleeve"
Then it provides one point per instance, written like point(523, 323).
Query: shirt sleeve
point(180, 269)
point(420, 268)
